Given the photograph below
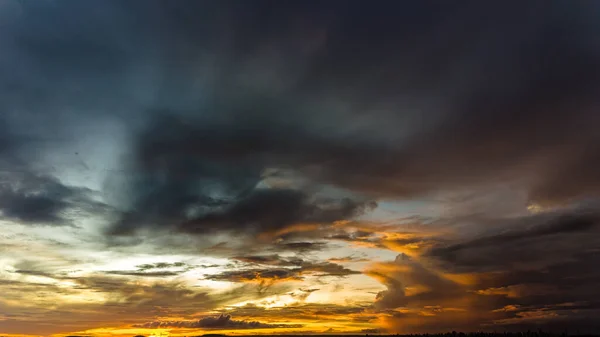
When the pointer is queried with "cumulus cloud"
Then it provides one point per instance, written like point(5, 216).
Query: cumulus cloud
point(408, 283)
point(518, 275)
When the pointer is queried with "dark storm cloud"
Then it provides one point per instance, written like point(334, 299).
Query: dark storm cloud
point(211, 156)
point(566, 316)
point(200, 181)
point(273, 209)
point(262, 210)
point(566, 281)
point(483, 132)
point(220, 322)
point(394, 99)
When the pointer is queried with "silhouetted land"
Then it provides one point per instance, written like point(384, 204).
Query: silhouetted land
point(448, 334)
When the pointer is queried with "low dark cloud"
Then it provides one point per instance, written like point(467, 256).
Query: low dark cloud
point(375, 331)
point(128, 296)
point(529, 242)
point(159, 269)
point(34, 273)
point(161, 265)
point(299, 246)
point(268, 275)
point(564, 317)
point(143, 273)
point(274, 268)
point(43, 200)
point(270, 210)
point(219, 322)
point(262, 210)
point(303, 311)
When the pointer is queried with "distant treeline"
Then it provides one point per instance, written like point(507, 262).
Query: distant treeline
point(447, 334)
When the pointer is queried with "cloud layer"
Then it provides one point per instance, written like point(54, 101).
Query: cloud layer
point(181, 159)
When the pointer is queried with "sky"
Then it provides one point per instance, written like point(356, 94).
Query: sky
point(269, 167)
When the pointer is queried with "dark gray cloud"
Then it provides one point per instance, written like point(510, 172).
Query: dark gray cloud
point(461, 148)
point(299, 311)
point(206, 113)
point(161, 265)
point(272, 274)
point(143, 273)
point(34, 273)
point(159, 269)
point(262, 211)
point(31, 195)
point(126, 295)
point(211, 154)
point(298, 246)
point(528, 242)
point(198, 191)
point(220, 322)
point(44, 200)
point(272, 260)
point(249, 275)
point(302, 294)
point(274, 268)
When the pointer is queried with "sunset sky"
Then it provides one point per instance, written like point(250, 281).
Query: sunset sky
point(270, 167)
